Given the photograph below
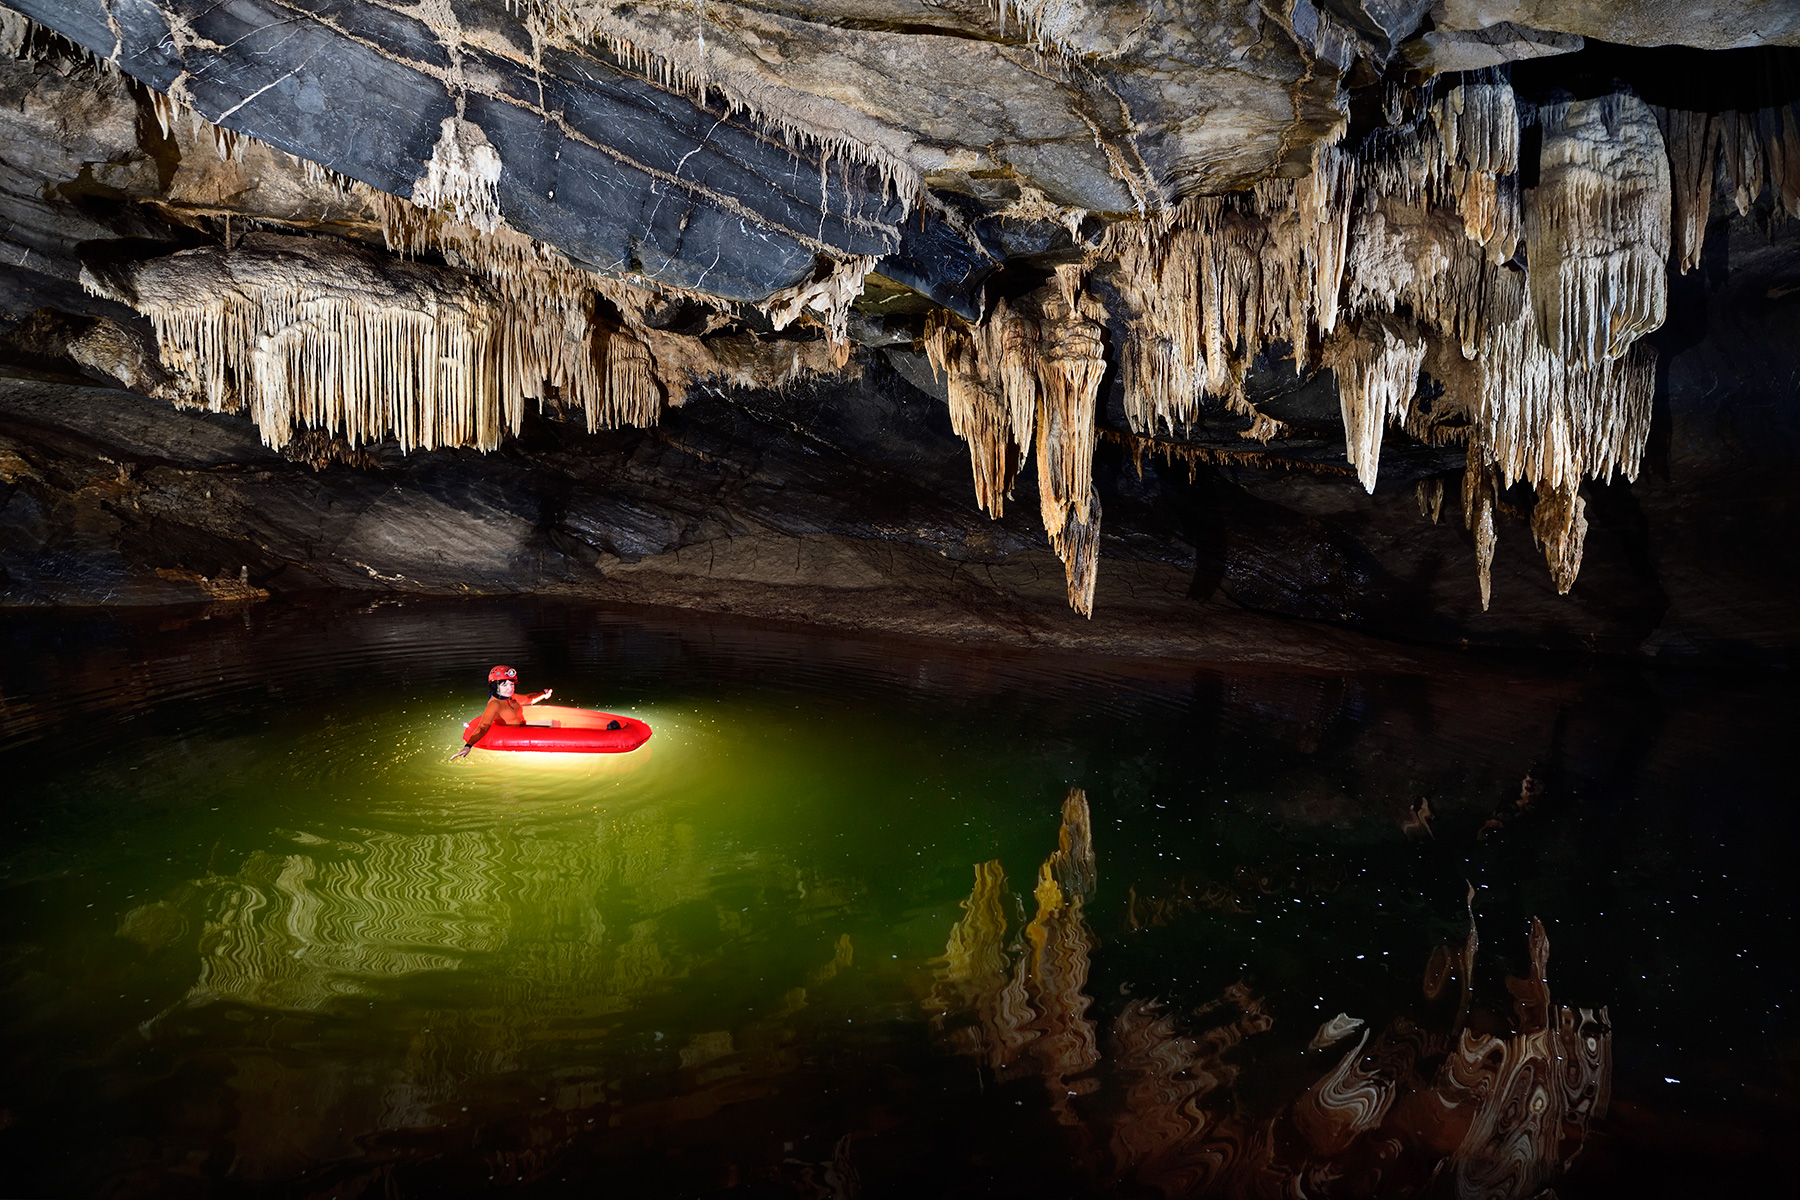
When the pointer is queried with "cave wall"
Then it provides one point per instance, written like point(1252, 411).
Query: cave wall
point(803, 451)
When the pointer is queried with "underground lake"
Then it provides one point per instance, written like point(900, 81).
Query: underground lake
point(875, 917)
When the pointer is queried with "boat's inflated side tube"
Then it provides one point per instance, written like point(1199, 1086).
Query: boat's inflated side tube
point(564, 730)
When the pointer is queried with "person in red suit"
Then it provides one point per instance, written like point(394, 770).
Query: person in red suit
point(502, 706)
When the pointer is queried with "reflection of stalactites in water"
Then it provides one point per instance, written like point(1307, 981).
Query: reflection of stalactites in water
point(1061, 944)
point(155, 925)
point(842, 955)
point(974, 962)
point(1073, 862)
point(834, 1179)
point(1166, 1138)
point(1494, 1117)
point(1334, 1031)
point(1446, 966)
point(1029, 1009)
point(974, 975)
point(1351, 1100)
point(1530, 1095)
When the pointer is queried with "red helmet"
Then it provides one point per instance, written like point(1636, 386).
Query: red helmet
point(499, 673)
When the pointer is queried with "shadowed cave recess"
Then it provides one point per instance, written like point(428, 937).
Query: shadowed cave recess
point(1453, 343)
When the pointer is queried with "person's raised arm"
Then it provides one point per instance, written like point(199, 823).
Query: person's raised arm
point(487, 720)
point(539, 698)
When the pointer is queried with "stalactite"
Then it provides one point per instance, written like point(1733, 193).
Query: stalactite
point(1422, 219)
point(1377, 374)
point(1012, 342)
point(1692, 139)
point(1194, 455)
point(1477, 120)
point(1411, 233)
point(1597, 227)
point(1071, 362)
point(1559, 527)
point(461, 176)
point(633, 396)
point(1780, 131)
point(1430, 495)
point(543, 305)
point(1743, 158)
point(1048, 23)
point(828, 298)
point(1549, 421)
point(978, 413)
point(1159, 275)
point(546, 306)
point(1478, 518)
point(1322, 202)
point(1211, 284)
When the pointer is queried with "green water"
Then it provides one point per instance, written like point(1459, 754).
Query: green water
point(262, 937)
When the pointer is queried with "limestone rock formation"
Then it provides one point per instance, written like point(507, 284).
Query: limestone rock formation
point(1213, 237)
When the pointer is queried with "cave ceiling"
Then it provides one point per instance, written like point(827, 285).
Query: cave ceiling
point(1161, 227)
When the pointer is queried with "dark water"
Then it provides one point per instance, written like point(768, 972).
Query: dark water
point(261, 938)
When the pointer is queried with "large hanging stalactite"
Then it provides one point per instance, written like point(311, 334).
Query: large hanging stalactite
point(1070, 363)
point(983, 383)
point(1597, 228)
point(1377, 371)
point(1030, 375)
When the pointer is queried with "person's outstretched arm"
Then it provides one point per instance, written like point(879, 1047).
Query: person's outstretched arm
point(543, 695)
point(487, 721)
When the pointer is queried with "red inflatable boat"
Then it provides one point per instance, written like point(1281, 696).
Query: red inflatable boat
point(564, 730)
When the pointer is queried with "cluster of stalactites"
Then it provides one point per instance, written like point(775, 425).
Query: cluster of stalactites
point(311, 334)
point(1597, 228)
point(1212, 283)
point(555, 343)
point(1408, 242)
point(1030, 374)
point(1737, 153)
point(533, 320)
point(990, 374)
point(314, 334)
point(523, 316)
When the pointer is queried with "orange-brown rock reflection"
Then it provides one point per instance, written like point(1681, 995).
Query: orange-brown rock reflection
point(1462, 1100)
point(1021, 1006)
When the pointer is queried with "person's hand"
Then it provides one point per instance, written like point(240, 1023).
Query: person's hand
point(463, 753)
point(546, 694)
